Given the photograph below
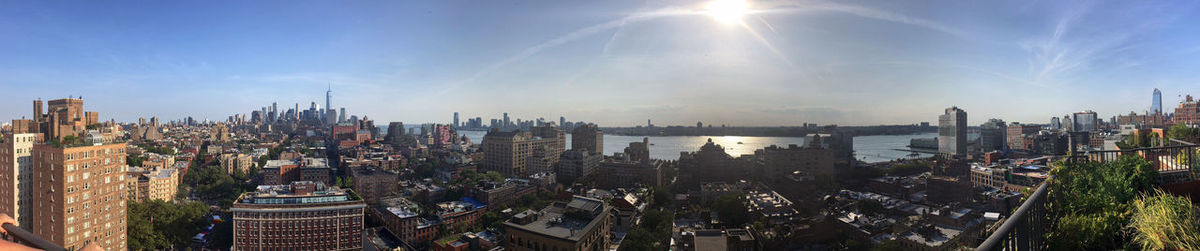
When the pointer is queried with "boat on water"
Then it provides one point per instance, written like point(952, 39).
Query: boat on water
point(739, 142)
point(914, 154)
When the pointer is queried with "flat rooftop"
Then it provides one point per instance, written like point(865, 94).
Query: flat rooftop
point(570, 221)
point(300, 192)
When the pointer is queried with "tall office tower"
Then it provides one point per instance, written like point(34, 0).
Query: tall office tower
point(506, 124)
point(342, 115)
point(952, 132)
point(395, 133)
point(329, 101)
point(1055, 123)
point(80, 186)
point(333, 115)
point(301, 216)
point(16, 177)
point(455, 120)
point(562, 122)
point(1156, 103)
point(274, 111)
point(1068, 123)
point(992, 135)
point(1084, 121)
point(296, 116)
point(588, 137)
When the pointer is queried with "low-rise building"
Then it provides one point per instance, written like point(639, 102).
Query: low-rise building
point(278, 172)
point(616, 173)
point(236, 162)
point(372, 184)
point(400, 217)
point(581, 224)
point(153, 184)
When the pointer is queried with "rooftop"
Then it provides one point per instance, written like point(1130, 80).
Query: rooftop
point(568, 221)
point(300, 192)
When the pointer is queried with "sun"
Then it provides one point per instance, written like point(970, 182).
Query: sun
point(727, 11)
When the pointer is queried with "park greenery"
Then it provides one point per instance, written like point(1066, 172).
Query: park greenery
point(161, 225)
point(212, 183)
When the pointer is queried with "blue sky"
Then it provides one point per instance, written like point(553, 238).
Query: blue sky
point(613, 62)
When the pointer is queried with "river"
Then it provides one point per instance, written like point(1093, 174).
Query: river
point(867, 148)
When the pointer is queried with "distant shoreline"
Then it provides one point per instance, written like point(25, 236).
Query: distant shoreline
point(794, 131)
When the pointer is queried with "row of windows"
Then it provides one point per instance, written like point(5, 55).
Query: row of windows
point(298, 224)
point(286, 215)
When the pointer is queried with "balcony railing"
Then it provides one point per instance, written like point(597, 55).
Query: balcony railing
point(1025, 229)
point(23, 237)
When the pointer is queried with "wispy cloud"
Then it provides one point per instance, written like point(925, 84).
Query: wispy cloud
point(1079, 40)
point(570, 37)
point(860, 11)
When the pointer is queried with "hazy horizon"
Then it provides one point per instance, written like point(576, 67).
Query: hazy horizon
point(615, 63)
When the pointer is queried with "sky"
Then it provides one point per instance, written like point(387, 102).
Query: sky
point(612, 62)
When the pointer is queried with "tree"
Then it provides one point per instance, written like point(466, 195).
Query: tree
point(653, 233)
point(158, 225)
point(494, 176)
point(732, 210)
point(134, 160)
point(492, 220)
point(869, 206)
point(1182, 132)
point(661, 197)
point(211, 182)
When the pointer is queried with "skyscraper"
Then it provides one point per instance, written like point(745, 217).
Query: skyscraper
point(342, 115)
point(505, 125)
point(992, 135)
point(1156, 103)
point(455, 120)
point(1085, 121)
point(952, 132)
point(329, 98)
point(1055, 123)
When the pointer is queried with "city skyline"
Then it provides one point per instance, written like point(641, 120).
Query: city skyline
point(615, 63)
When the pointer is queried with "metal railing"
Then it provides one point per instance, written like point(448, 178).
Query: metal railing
point(1025, 229)
point(1176, 163)
point(24, 237)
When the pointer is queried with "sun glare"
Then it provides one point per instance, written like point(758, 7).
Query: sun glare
point(727, 11)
